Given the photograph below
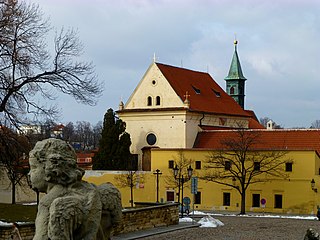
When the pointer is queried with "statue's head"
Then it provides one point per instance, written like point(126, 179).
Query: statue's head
point(53, 161)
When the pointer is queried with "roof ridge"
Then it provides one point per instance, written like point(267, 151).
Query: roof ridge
point(182, 68)
point(267, 130)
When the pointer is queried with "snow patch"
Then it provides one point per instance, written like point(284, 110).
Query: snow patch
point(186, 219)
point(209, 221)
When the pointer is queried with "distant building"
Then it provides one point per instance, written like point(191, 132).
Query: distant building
point(84, 160)
point(57, 131)
point(31, 129)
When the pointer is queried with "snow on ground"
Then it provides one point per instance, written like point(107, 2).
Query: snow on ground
point(186, 219)
point(206, 221)
point(303, 217)
point(209, 221)
point(5, 224)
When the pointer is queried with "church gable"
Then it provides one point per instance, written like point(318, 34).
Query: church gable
point(153, 91)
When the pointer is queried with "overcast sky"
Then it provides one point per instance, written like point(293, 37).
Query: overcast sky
point(279, 49)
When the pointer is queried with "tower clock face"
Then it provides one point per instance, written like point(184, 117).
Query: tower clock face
point(151, 139)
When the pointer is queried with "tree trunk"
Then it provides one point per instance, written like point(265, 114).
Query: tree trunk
point(13, 193)
point(243, 202)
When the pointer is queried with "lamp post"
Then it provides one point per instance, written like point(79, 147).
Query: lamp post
point(157, 172)
point(130, 182)
point(182, 180)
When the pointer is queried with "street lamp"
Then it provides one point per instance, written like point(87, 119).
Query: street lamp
point(182, 180)
point(157, 172)
point(130, 183)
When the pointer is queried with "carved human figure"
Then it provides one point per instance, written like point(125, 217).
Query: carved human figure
point(71, 208)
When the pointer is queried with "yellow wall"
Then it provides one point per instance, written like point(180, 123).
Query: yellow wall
point(297, 195)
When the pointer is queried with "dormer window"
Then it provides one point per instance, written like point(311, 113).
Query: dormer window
point(197, 90)
point(216, 93)
point(158, 100)
point(149, 101)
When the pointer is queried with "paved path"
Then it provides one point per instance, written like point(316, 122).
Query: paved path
point(235, 228)
point(154, 231)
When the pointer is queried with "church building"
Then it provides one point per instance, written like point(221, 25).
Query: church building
point(171, 105)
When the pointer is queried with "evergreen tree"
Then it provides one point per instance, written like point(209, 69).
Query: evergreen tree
point(114, 146)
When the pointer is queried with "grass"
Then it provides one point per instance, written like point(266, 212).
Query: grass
point(17, 212)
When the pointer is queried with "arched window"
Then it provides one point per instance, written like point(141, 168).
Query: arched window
point(149, 101)
point(232, 90)
point(158, 100)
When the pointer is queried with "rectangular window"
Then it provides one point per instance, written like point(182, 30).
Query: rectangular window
point(226, 199)
point(255, 200)
point(198, 164)
point(256, 166)
point(289, 167)
point(227, 165)
point(170, 196)
point(197, 198)
point(171, 164)
point(277, 201)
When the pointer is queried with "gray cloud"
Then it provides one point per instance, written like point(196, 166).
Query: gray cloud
point(278, 48)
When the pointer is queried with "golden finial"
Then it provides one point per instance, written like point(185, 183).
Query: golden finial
point(235, 39)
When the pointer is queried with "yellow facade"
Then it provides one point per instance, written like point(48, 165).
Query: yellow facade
point(293, 195)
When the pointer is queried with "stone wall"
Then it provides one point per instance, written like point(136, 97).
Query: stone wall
point(148, 217)
point(26, 231)
point(132, 220)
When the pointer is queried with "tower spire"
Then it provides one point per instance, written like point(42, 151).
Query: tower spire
point(235, 81)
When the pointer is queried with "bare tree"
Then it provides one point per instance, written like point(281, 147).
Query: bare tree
point(97, 131)
point(181, 163)
point(27, 72)
point(315, 124)
point(84, 134)
point(68, 132)
point(14, 150)
point(129, 179)
point(238, 164)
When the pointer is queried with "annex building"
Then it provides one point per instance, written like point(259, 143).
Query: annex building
point(178, 115)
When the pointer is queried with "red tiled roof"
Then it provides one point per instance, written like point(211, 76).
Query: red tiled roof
point(205, 94)
point(284, 139)
point(58, 127)
point(85, 155)
point(253, 121)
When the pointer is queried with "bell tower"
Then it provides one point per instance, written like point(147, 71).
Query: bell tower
point(235, 81)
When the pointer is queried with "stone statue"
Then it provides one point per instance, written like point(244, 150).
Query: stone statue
point(72, 208)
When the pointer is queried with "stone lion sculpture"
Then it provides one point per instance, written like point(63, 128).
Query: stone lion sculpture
point(72, 208)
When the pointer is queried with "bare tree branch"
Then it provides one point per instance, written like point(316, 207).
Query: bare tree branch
point(26, 74)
